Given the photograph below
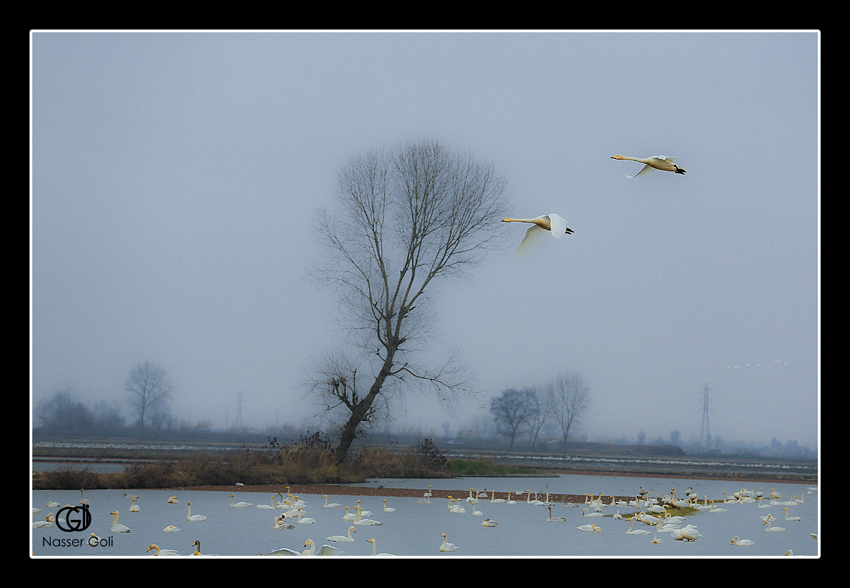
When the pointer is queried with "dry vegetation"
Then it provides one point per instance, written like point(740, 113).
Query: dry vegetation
point(309, 461)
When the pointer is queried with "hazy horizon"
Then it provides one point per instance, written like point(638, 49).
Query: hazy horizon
point(175, 177)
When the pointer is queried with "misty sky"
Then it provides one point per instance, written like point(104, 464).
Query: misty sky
point(176, 176)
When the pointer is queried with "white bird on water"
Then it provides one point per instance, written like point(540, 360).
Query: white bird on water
point(446, 546)
point(547, 224)
point(652, 164)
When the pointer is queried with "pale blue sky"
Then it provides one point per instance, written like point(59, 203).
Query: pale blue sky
point(175, 177)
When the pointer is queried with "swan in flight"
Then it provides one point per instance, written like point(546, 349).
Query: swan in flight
point(548, 224)
point(738, 541)
point(344, 538)
point(446, 546)
point(787, 518)
point(552, 519)
point(134, 507)
point(191, 517)
point(653, 163)
point(388, 508)
point(375, 549)
point(116, 526)
point(238, 504)
point(589, 528)
point(332, 504)
point(323, 550)
point(161, 551)
point(489, 523)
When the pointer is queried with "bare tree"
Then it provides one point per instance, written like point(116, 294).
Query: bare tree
point(149, 390)
point(64, 413)
point(512, 411)
point(568, 398)
point(539, 415)
point(403, 220)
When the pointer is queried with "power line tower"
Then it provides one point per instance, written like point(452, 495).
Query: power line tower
point(705, 429)
point(239, 413)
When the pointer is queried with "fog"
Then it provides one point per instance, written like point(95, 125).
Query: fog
point(175, 178)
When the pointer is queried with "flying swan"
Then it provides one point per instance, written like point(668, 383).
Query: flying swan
point(653, 163)
point(548, 224)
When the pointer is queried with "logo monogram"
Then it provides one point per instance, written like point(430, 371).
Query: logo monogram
point(68, 520)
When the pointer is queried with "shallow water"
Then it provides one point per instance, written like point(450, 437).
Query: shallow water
point(415, 529)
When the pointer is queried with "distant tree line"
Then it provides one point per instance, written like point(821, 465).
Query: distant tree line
point(148, 391)
point(559, 405)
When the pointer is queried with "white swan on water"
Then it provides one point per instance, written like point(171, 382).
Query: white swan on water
point(331, 505)
point(269, 506)
point(116, 526)
point(235, 504)
point(134, 507)
point(552, 519)
point(446, 546)
point(631, 531)
point(161, 551)
point(375, 549)
point(589, 528)
point(738, 541)
point(323, 550)
point(191, 517)
point(366, 522)
point(344, 538)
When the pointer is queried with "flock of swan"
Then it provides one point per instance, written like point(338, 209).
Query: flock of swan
point(651, 517)
point(556, 226)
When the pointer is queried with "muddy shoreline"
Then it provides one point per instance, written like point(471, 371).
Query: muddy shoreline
point(353, 490)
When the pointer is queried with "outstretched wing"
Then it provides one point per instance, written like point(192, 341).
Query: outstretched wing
point(558, 225)
point(647, 169)
point(533, 236)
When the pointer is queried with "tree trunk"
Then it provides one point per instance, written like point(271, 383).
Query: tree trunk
point(361, 409)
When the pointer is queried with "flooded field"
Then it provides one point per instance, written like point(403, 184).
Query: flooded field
point(415, 528)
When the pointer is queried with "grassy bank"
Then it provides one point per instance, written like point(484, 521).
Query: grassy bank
point(310, 461)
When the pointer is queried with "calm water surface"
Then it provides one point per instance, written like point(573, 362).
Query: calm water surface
point(415, 529)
